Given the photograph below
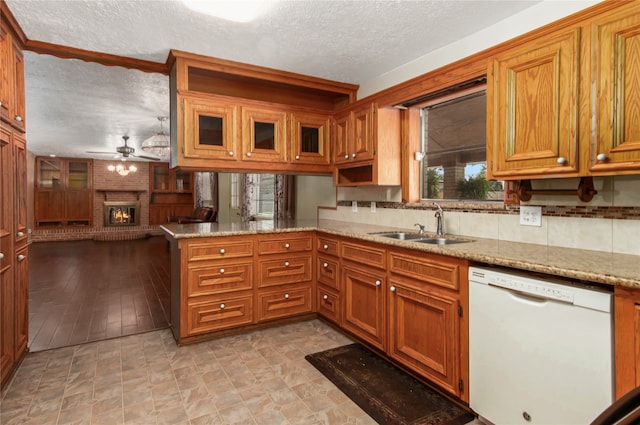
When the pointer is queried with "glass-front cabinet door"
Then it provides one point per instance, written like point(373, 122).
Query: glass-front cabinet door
point(160, 179)
point(78, 175)
point(209, 129)
point(310, 139)
point(263, 134)
point(50, 174)
point(183, 181)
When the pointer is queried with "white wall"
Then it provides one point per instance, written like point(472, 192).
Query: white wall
point(311, 192)
point(536, 16)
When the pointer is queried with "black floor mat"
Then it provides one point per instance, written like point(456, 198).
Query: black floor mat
point(386, 393)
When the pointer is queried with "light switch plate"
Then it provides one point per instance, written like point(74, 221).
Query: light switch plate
point(530, 216)
point(373, 207)
point(354, 206)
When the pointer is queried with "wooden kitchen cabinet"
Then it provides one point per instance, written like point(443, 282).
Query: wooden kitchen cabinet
point(616, 41)
point(63, 195)
point(329, 285)
point(627, 339)
point(366, 146)
point(21, 296)
point(208, 130)
point(170, 192)
point(20, 189)
point(264, 133)
point(363, 275)
point(532, 108)
point(309, 139)
point(427, 324)
point(12, 94)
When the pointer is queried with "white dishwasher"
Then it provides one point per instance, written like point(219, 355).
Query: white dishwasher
point(540, 350)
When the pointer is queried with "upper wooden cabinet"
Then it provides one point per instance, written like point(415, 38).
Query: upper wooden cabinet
point(616, 43)
point(366, 146)
point(237, 117)
point(171, 192)
point(532, 98)
point(12, 104)
point(566, 104)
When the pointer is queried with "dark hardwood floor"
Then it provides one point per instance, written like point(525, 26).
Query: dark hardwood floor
point(85, 291)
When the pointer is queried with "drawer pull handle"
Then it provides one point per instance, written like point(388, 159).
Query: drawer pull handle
point(21, 257)
point(20, 234)
point(297, 156)
point(353, 155)
point(249, 154)
point(1, 255)
point(18, 118)
point(325, 246)
point(286, 296)
point(325, 265)
point(221, 306)
point(286, 264)
point(562, 160)
point(601, 157)
point(392, 289)
point(286, 245)
point(221, 250)
point(221, 271)
point(346, 156)
point(230, 153)
point(378, 283)
point(325, 297)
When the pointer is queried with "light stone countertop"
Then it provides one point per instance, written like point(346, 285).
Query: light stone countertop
point(585, 265)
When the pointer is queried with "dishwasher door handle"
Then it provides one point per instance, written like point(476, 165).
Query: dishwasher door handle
point(529, 296)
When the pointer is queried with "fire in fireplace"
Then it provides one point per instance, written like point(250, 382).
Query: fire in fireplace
point(121, 214)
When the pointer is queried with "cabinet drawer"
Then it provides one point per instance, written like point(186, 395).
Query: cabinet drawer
point(285, 243)
point(365, 254)
point(327, 271)
point(328, 303)
point(216, 249)
point(437, 270)
point(208, 314)
point(328, 246)
point(219, 277)
point(285, 302)
point(285, 270)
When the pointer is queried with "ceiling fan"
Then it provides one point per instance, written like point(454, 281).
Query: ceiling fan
point(126, 151)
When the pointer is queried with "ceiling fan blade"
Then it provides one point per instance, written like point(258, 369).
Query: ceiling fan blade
point(102, 152)
point(151, 158)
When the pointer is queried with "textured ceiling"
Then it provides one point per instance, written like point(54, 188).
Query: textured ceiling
point(73, 106)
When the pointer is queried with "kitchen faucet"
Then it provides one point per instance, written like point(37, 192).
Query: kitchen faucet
point(421, 228)
point(439, 219)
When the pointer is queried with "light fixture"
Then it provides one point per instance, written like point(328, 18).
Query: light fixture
point(231, 10)
point(158, 144)
point(120, 169)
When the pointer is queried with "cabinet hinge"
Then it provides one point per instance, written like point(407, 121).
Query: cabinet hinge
point(461, 385)
point(460, 311)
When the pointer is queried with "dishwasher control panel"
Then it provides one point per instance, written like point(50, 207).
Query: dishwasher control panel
point(536, 289)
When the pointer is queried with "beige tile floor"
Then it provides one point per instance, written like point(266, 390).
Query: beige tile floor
point(254, 378)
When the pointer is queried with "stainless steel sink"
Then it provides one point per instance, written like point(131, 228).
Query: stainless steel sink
point(400, 236)
point(441, 241)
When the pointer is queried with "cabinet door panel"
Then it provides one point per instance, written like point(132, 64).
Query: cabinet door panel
point(363, 134)
point(424, 334)
point(263, 135)
point(340, 140)
point(283, 270)
point(201, 250)
point(220, 277)
point(21, 301)
point(327, 271)
point(310, 139)
point(210, 130)
point(6, 76)
point(285, 302)
point(20, 188)
point(284, 244)
point(364, 312)
point(532, 109)
point(7, 335)
point(617, 81)
point(329, 303)
point(205, 314)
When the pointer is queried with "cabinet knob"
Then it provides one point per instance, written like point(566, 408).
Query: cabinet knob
point(325, 297)
point(392, 289)
point(297, 156)
point(378, 283)
point(21, 257)
point(221, 271)
point(249, 154)
point(325, 265)
point(0, 103)
point(221, 250)
point(286, 264)
point(20, 234)
point(230, 153)
point(18, 118)
point(353, 155)
point(325, 246)
point(286, 296)
point(287, 245)
point(601, 157)
point(346, 156)
point(561, 160)
point(1, 255)
point(221, 306)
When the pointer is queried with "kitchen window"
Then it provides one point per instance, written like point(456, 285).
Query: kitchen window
point(454, 147)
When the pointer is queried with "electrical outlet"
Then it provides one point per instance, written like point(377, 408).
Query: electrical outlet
point(354, 206)
point(530, 216)
point(373, 207)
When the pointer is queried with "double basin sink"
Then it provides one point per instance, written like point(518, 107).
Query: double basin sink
point(416, 237)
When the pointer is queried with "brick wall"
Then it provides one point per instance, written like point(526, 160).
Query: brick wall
point(105, 180)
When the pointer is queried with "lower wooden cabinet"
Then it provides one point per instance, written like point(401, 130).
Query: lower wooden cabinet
point(627, 339)
point(285, 301)
point(7, 335)
point(364, 304)
point(213, 314)
point(21, 307)
point(328, 301)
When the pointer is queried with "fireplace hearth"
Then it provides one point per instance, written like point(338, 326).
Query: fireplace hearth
point(121, 214)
